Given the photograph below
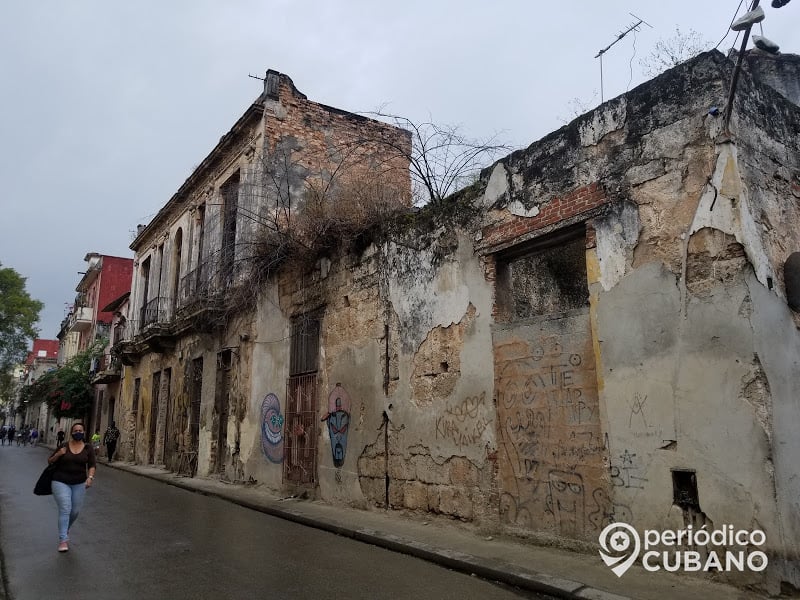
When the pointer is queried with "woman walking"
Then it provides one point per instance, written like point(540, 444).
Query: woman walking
point(74, 473)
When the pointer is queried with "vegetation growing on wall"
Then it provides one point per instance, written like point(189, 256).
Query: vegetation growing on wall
point(299, 202)
point(441, 158)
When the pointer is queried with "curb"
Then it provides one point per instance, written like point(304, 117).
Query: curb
point(458, 561)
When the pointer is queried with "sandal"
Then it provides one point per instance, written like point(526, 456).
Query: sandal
point(63, 547)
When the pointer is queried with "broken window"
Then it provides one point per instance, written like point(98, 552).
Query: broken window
point(684, 489)
point(546, 278)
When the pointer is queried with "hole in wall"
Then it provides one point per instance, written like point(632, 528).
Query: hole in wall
point(791, 278)
point(684, 489)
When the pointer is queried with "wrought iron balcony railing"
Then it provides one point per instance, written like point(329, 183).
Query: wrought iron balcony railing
point(156, 310)
point(198, 284)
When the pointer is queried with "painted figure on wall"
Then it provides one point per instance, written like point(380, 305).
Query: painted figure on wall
point(338, 418)
point(272, 429)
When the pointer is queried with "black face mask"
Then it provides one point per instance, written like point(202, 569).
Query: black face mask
point(77, 436)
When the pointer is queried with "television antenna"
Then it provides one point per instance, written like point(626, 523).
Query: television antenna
point(620, 35)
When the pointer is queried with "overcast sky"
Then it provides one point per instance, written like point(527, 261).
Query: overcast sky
point(108, 106)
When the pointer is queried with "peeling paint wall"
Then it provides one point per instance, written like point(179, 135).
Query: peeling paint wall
point(595, 331)
point(442, 419)
point(768, 163)
point(685, 251)
point(625, 286)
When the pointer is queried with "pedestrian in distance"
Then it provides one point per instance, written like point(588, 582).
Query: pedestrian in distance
point(11, 434)
point(75, 465)
point(60, 437)
point(96, 441)
point(34, 436)
point(110, 440)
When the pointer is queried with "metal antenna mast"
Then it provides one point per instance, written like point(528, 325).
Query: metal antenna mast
point(620, 35)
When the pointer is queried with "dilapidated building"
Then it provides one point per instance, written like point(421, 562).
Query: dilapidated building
point(596, 331)
point(190, 336)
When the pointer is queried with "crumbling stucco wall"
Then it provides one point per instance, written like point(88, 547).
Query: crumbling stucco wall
point(262, 441)
point(689, 228)
point(165, 420)
point(402, 330)
point(612, 321)
point(768, 161)
point(441, 418)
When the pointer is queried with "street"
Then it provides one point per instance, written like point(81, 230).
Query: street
point(138, 538)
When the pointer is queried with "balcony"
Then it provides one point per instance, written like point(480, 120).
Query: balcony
point(124, 343)
point(107, 369)
point(81, 318)
point(200, 297)
point(156, 311)
point(156, 329)
point(119, 332)
point(198, 285)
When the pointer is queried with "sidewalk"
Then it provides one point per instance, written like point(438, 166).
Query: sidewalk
point(552, 571)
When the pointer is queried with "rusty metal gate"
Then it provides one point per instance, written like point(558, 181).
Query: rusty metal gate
point(300, 427)
point(300, 462)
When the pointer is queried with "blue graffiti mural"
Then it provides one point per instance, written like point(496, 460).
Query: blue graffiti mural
point(338, 418)
point(272, 429)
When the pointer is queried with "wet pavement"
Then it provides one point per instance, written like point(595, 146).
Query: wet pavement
point(138, 538)
point(230, 555)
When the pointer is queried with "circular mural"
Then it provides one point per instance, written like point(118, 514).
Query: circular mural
point(272, 428)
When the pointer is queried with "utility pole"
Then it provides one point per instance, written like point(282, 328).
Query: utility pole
point(736, 71)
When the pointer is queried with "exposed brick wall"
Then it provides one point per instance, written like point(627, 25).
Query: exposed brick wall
point(559, 209)
point(328, 140)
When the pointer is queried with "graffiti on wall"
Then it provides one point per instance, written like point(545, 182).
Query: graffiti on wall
point(551, 449)
point(626, 471)
point(338, 418)
point(272, 429)
point(606, 512)
point(464, 423)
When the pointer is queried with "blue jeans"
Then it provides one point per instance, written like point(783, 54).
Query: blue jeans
point(69, 499)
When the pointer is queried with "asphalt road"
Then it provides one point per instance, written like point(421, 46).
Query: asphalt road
point(138, 538)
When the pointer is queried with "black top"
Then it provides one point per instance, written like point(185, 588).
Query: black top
point(71, 468)
point(111, 435)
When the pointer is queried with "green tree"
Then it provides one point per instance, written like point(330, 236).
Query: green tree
point(68, 389)
point(18, 316)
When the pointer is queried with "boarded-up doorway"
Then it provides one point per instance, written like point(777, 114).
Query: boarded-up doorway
point(551, 447)
point(133, 421)
point(164, 403)
point(221, 407)
point(187, 463)
point(151, 440)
